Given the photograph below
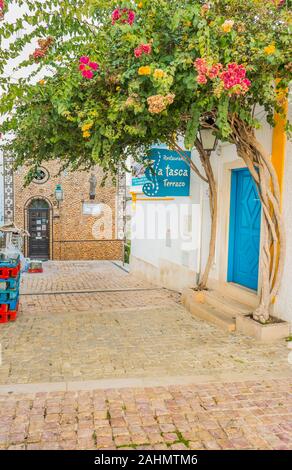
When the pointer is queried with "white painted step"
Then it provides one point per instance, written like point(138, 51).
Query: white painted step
point(226, 304)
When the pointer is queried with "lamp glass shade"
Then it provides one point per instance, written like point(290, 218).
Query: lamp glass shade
point(59, 195)
point(208, 139)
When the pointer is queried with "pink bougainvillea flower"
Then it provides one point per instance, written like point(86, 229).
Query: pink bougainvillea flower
point(87, 67)
point(201, 66)
point(143, 49)
point(93, 65)
point(88, 74)
point(246, 82)
point(234, 79)
point(116, 15)
point(2, 4)
point(202, 79)
point(131, 17)
point(214, 71)
point(124, 15)
point(146, 48)
point(138, 52)
point(84, 60)
point(206, 71)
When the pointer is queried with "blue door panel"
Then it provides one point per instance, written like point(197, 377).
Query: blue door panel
point(245, 225)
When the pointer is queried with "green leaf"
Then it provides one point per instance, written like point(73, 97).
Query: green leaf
point(222, 118)
point(192, 127)
point(96, 150)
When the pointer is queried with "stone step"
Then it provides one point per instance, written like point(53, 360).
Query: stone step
point(196, 304)
point(213, 315)
point(239, 294)
point(236, 292)
point(226, 304)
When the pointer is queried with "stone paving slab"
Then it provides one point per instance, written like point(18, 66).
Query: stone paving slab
point(236, 415)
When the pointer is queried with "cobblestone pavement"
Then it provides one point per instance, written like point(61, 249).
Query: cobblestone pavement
point(119, 334)
point(248, 415)
point(97, 322)
point(75, 276)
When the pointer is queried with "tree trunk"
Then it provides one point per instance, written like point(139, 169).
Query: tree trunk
point(210, 179)
point(205, 160)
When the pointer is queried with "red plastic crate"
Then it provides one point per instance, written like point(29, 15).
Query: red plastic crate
point(9, 315)
point(3, 317)
point(6, 273)
point(12, 315)
point(3, 308)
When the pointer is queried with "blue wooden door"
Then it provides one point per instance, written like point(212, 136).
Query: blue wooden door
point(245, 227)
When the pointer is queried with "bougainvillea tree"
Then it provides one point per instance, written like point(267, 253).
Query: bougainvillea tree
point(109, 78)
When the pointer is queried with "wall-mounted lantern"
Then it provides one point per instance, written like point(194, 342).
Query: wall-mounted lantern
point(208, 139)
point(206, 134)
point(59, 194)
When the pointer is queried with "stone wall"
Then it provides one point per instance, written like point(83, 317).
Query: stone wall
point(73, 235)
point(89, 250)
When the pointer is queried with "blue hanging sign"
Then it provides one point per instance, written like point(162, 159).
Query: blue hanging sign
point(168, 175)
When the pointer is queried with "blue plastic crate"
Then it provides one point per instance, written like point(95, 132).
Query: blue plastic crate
point(12, 304)
point(6, 262)
point(8, 294)
point(11, 283)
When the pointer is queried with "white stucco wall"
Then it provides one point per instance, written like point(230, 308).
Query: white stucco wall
point(166, 234)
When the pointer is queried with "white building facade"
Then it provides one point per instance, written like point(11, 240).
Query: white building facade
point(170, 242)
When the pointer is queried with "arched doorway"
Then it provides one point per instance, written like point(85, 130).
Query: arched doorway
point(38, 213)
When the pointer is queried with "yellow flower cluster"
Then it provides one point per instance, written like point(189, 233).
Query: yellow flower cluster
point(146, 70)
point(159, 73)
point(227, 26)
point(86, 128)
point(269, 50)
point(42, 82)
point(158, 103)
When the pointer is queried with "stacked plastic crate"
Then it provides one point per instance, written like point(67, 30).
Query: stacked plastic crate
point(9, 287)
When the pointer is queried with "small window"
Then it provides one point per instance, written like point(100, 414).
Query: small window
point(39, 204)
point(42, 176)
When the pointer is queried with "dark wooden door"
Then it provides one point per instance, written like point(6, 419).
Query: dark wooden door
point(39, 229)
